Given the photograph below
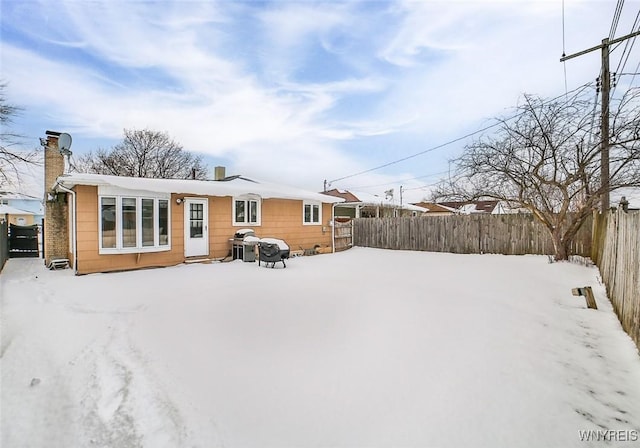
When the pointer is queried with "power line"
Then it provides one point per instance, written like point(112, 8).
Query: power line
point(616, 19)
point(418, 154)
point(398, 181)
point(626, 45)
point(622, 65)
point(456, 139)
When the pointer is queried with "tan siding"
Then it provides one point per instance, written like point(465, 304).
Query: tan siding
point(28, 220)
point(280, 219)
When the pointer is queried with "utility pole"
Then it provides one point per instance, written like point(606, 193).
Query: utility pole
point(605, 78)
point(604, 127)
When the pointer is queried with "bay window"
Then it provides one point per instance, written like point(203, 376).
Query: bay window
point(133, 224)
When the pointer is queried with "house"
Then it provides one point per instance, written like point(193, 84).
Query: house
point(20, 209)
point(366, 205)
point(630, 197)
point(471, 207)
point(21, 191)
point(433, 209)
point(110, 223)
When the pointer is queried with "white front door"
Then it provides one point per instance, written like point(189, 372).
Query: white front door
point(196, 228)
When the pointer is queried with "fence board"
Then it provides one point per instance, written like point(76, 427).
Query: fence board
point(467, 234)
point(616, 250)
point(343, 235)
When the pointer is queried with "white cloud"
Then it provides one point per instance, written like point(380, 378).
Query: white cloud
point(220, 78)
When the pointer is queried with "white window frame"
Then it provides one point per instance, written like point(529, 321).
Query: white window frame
point(139, 248)
point(247, 199)
point(312, 204)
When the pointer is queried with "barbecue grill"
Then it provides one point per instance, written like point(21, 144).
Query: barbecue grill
point(271, 250)
point(237, 243)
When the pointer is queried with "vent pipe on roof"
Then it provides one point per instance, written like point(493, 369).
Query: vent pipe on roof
point(219, 173)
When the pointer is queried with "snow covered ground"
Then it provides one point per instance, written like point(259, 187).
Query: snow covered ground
point(365, 348)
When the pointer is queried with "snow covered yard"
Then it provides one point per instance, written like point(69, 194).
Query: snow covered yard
point(362, 348)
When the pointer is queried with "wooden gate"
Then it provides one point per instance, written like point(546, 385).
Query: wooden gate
point(23, 241)
point(343, 229)
point(4, 243)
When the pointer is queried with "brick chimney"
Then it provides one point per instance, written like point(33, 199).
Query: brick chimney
point(56, 234)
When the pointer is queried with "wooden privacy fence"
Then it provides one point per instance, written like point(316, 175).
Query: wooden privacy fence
point(4, 243)
point(616, 251)
point(465, 234)
point(343, 234)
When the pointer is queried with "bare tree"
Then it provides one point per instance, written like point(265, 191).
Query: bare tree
point(11, 158)
point(145, 153)
point(546, 159)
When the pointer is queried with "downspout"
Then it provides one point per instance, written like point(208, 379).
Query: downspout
point(73, 219)
point(333, 227)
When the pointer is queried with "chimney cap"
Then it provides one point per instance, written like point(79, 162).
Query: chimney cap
point(53, 133)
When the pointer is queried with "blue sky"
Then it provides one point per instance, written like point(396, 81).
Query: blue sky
point(296, 92)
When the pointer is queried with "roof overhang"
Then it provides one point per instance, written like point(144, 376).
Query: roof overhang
point(9, 210)
point(235, 187)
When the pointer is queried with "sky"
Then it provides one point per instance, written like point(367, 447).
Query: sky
point(299, 92)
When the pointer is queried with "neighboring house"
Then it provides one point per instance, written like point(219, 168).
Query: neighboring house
point(110, 223)
point(631, 195)
point(433, 209)
point(471, 207)
point(366, 205)
point(21, 209)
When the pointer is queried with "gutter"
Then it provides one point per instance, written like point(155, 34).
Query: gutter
point(73, 223)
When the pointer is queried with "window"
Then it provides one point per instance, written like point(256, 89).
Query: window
point(163, 221)
point(108, 223)
point(246, 211)
point(129, 235)
point(133, 224)
point(148, 238)
point(312, 212)
point(196, 220)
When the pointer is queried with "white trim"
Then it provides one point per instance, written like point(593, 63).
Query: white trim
point(138, 248)
point(312, 204)
point(204, 241)
point(110, 190)
point(247, 199)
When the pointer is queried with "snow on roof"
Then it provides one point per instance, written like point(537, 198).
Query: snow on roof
point(235, 187)
point(8, 210)
point(432, 207)
point(375, 200)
